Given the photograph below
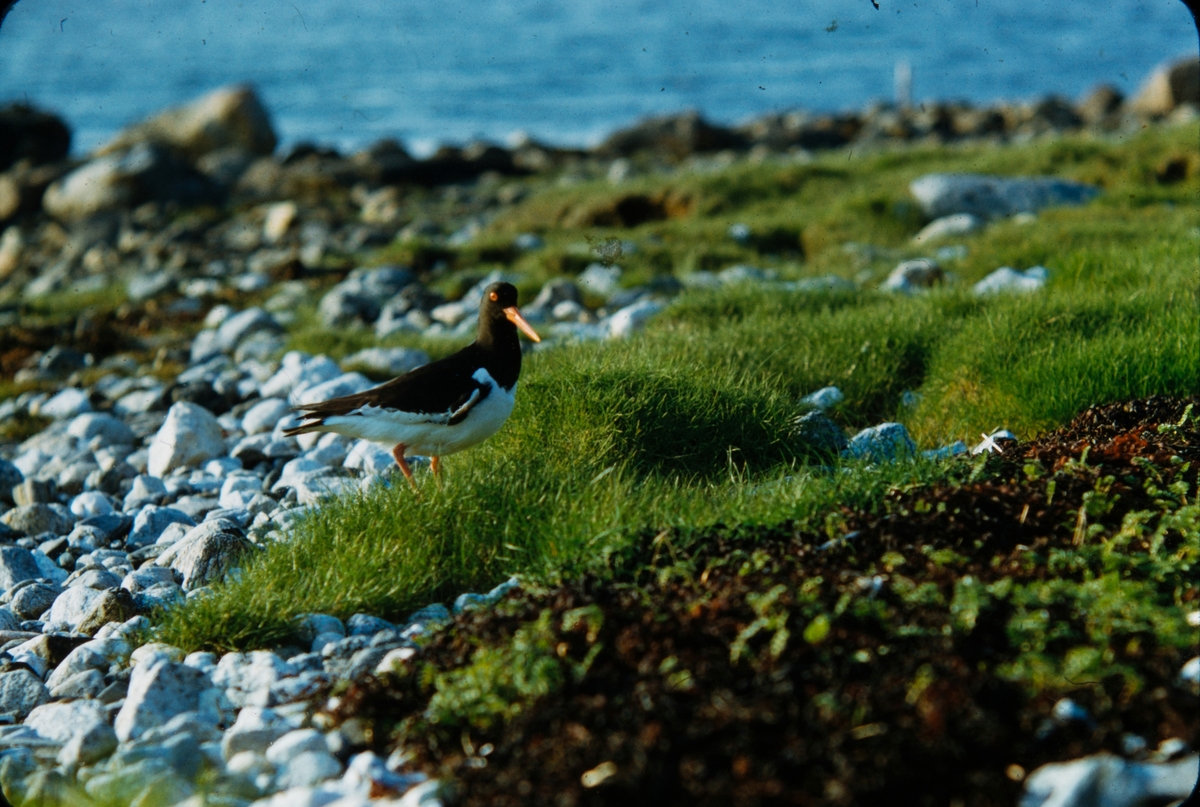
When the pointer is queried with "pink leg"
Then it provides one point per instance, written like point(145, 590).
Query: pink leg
point(398, 455)
point(435, 465)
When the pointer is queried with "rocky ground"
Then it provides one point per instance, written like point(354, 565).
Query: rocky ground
point(143, 456)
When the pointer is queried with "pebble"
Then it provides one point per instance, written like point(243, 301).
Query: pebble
point(1007, 279)
point(948, 226)
point(910, 277)
point(989, 197)
point(823, 398)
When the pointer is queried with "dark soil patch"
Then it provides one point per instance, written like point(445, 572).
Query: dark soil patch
point(910, 658)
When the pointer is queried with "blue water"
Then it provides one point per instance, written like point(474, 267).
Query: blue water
point(566, 71)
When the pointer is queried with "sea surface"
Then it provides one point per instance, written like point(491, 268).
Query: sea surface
point(348, 72)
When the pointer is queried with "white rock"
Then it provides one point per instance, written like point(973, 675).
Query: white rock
point(158, 692)
point(823, 398)
point(66, 404)
point(345, 384)
point(238, 490)
point(189, 436)
point(62, 721)
point(206, 553)
point(369, 457)
point(109, 429)
point(255, 729)
point(73, 605)
point(263, 416)
point(1189, 674)
point(599, 279)
point(913, 276)
point(308, 768)
point(278, 219)
point(947, 226)
point(247, 677)
point(296, 742)
point(20, 692)
point(1104, 780)
point(91, 503)
point(632, 318)
point(992, 197)
point(241, 325)
point(152, 521)
point(1007, 279)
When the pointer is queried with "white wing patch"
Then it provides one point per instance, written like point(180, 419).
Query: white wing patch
point(431, 433)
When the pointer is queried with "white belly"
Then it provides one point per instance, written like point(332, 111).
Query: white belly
point(429, 435)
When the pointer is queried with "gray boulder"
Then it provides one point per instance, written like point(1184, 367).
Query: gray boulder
point(21, 692)
point(72, 606)
point(150, 522)
point(206, 553)
point(990, 197)
point(16, 565)
point(33, 600)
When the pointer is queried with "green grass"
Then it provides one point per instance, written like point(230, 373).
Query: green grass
point(688, 424)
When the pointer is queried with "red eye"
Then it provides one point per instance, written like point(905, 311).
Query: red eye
point(494, 296)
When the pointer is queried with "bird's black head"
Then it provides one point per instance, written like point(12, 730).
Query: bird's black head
point(498, 314)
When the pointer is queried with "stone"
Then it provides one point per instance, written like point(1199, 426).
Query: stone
point(97, 578)
point(309, 626)
point(370, 457)
point(97, 654)
point(367, 625)
point(913, 276)
point(115, 181)
point(296, 742)
point(158, 691)
point(81, 725)
point(344, 384)
point(228, 117)
point(948, 227)
point(599, 279)
point(114, 605)
point(109, 429)
point(21, 692)
point(342, 306)
point(387, 360)
point(91, 503)
point(254, 730)
point(144, 490)
point(151, 521)
point(1167, 87)
point(990, 197)
point(111, 526)
point(206, 553)
point(823, 398)
point(33, 600)
point(632, 318)
point(308, 768)
point(263, 416)
point(72, 606)
point(817, 431)
point(1104, 780)
point(66, 404)
point(85, 684)
point(247, 677)
point(16, 565)
point(1007, 279)
point(243, 324)
point(10, 477)
point(189, 436)
point(885, 442)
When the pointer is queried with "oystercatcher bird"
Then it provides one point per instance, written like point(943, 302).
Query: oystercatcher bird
point(441, 407)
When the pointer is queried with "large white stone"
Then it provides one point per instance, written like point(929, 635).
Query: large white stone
point(241, 325)
point(1104, 780)
point(632, 318)
point(948, 226)
point(157, 692)
point(189, 436)
point(887, 441)
point(247, 677)
point(206, 553)
point(254, 730)
point(73, 605)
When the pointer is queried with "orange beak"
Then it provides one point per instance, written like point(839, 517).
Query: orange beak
point(514, 316)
